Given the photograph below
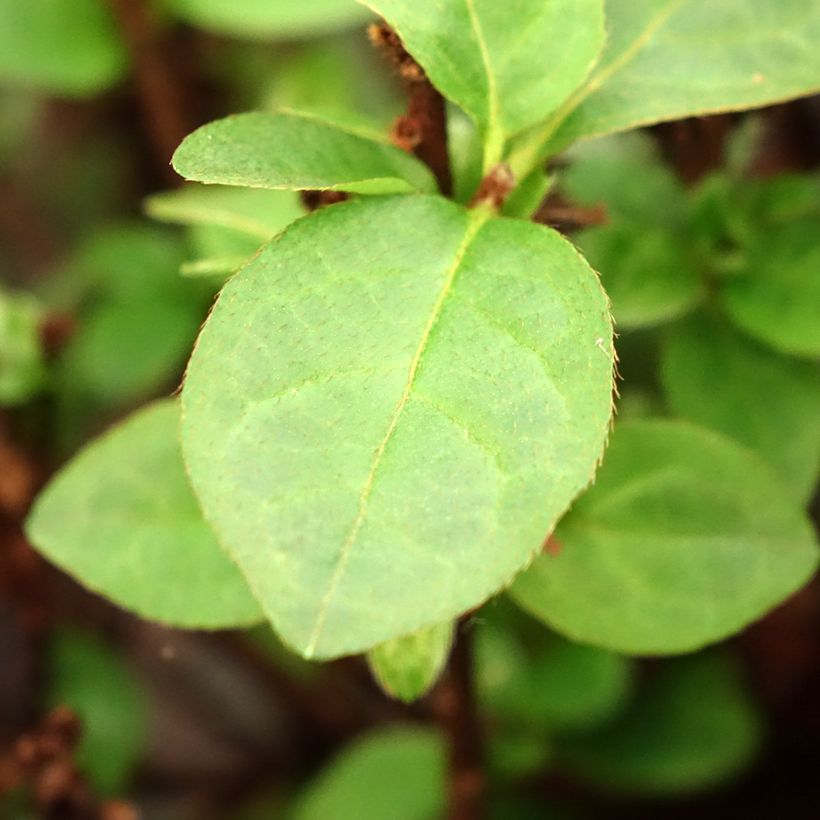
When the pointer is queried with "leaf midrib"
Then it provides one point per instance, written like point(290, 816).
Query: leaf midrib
point(476, 218)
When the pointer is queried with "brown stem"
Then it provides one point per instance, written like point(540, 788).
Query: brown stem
point(455, 704)
point(423, 129)
point(160, 97)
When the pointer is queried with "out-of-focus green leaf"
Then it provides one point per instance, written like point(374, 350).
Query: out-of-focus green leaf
point(718, 378)
point(685, 538)
point(374, 476)
point(121, 519)
point(87, 676)
point(777, 300)
point(290, 151)
point(66, 47)
point(507, 64)
point(693, 728)
point(667, 59)
point(22, 367)
point(406, 667)
point(642, 251)
point(558, 686)
point(390, 774)
point(270, 19)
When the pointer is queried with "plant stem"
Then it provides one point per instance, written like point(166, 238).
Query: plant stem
point(455, 705)
point(160, 97)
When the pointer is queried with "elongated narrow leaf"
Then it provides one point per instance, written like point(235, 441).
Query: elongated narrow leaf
point(60, 46)
point(508, 64)
point(778, 299)
point(691, 729)
point(719, 378)
point(408, 666)
point(22, 361)
point(667, 59)
point(390, 774)
point(291, 151)
point(257, 213)
point(685, 538)
point(122, 520)
point(388, 410)
point(264, 19)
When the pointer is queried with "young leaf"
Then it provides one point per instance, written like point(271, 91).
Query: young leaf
point(122, 520)
point(265, 19)
point(391, 774)
point(406, 667)
point(88, 677)
point(778, 300)
point(718, 378)
point(685, 538)
point(388, 410)
point(643, 249)
point(66, 47)
point(292, 151)
point(693, 727)
point(509, 64)
point(667, 59)
point(22, 365)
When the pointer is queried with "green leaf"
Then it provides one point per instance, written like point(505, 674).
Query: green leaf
point(391, 774)
point(66, 47)
point(684, 539)
point(269, 19)
point(693, 728)
point(22, 367)
point(88, 677)
point(508, 65)
point(771, 403)
point(557, 686)
point(257, 213)
point(407, 666)
point(389, 408)
point(778, 299)
point(121, 519)
point(290, 151)
point(668, 59)
point(643, 250)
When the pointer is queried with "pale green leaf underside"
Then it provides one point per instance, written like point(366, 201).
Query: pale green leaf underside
point(389, 774)
point(258, 19)
point(719, 378)
point(667, 59)
point(508, 64)
point(684, 539)
point(407, 666)
point(388, 410)
point(122, 520)
point(290, 151)
point(256, 212)
point(60, 46)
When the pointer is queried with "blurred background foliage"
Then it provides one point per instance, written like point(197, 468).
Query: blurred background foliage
point(108, 268)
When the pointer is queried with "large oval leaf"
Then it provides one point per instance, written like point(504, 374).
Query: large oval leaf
point(685, 538)
point(508, 64)
point(667, 59)
point(291, 151)
point(121, 519)
point(388, 410)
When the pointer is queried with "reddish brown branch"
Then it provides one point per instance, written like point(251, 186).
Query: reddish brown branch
point(42, 761)
point(455, 704)
point(423, 129)
point(160, 97)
